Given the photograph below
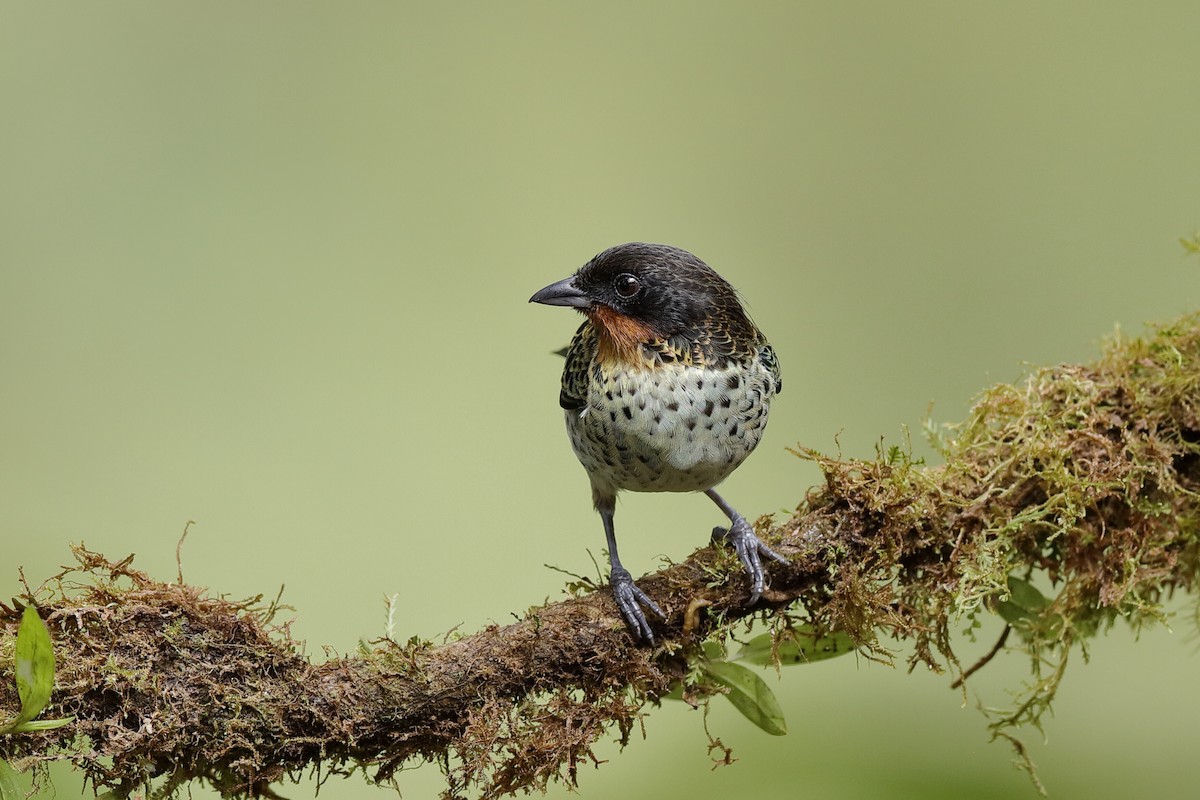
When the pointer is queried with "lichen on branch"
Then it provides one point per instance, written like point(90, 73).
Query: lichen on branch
point(1082, 480)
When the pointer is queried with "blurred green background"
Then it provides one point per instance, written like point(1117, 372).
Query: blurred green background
point(265, 266)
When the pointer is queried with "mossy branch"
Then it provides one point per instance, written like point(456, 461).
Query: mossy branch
point(1083, 479)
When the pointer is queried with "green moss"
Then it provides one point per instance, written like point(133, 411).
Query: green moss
point(1081, 478)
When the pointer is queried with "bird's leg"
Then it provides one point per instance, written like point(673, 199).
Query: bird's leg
point(629, 597)
point(745, 543)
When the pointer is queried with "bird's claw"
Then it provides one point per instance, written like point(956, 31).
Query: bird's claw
point(750, 551)
point(630, 600)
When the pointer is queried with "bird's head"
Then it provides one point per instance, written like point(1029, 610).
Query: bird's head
point(649, 292)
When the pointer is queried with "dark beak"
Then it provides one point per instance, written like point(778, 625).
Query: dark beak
point(563, 293)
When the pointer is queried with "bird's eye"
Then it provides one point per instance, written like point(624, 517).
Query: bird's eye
point(628, 286)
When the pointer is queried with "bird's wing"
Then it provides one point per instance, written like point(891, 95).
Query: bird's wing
point(573, 394)
point(766, 357)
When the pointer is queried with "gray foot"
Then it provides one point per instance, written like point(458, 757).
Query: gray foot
point(750, 551)
point(630, 600)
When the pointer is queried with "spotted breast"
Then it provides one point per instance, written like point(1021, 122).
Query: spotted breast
point(659, 423)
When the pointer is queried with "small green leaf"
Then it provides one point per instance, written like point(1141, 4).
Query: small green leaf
point(749, 694)
point(34, 658)
point(804, 648)
point(41, 725)
point(9, 788)
point(1023, 594)
point(1011, 612)
point(1024, 602)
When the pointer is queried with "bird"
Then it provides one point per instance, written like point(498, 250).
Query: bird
point(666, 388)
